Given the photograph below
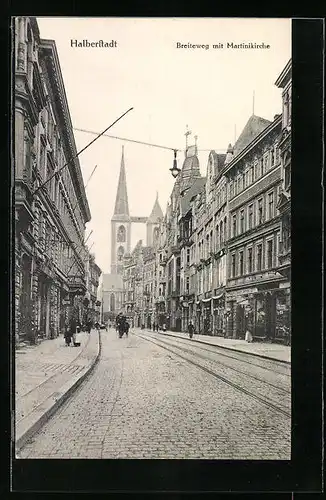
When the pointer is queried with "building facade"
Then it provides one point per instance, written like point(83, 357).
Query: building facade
point(51, 209)
point(222, 259)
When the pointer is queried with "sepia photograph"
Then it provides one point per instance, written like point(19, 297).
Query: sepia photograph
point(152, 238)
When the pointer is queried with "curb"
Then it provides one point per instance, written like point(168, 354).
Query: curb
point(53, 403)
point(231, 349)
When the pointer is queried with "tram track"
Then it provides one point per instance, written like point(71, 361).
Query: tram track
point(174, 349)
point(235, 356)
point(185, 342)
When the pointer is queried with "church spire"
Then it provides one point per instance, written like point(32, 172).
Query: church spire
point(121, 202)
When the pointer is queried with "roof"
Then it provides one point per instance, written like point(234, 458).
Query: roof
point(156, 213)
point(197, 186)
point(121, 202)
point(148, 253)
point(112, 281)
point(218, 161)
point(254, 126)
point(285, 75)
point(190, 164)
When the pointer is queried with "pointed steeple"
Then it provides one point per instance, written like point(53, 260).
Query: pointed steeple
point(156, 212)
point(121, 202)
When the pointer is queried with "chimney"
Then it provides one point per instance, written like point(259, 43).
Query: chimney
point(229, 154)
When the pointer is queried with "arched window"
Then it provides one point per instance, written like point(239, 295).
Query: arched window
point(120, 253)
point(121, 237)
point(112, 302)
point(155, 234)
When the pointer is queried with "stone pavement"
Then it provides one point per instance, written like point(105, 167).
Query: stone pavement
point(144, 402)
point(45, 375)
point(277, 352)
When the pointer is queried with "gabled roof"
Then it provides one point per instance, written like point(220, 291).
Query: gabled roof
point(197, 186)
point(121, 202)
point(156, 213)
point(218, 161)
point(254, 126)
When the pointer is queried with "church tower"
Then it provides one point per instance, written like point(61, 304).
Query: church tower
point(153, 223)
point(120, 223)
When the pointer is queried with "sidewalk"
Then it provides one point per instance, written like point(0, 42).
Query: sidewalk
point(275, 352)
point(45, 376)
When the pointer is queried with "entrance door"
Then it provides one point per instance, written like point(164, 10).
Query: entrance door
point(240, 321)
point(270, 316)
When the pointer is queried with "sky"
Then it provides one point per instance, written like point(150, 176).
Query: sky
point(210, 90)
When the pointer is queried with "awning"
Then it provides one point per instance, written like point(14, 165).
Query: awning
point(218, 296)
point(206, 300)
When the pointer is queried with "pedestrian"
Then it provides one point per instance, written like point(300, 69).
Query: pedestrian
point(72, 329)
point(67, 334)
point(127, 326)
point(89, 326)
point(157, 327)
point(191, 329)
point(164, 327)
point(248, 337)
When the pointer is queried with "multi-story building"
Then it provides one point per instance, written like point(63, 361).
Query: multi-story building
point(254, 292)
point(91, 302)
point(50, 218)
point(284, 82)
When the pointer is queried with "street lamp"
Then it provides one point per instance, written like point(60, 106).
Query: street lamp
point(175, 170)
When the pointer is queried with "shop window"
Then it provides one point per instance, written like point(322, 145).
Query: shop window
point(249, 261)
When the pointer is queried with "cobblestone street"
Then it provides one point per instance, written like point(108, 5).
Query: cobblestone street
point(143, 401)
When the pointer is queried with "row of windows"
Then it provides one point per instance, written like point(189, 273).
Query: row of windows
point(254, 171)
point(253, 215)
point(253, 259)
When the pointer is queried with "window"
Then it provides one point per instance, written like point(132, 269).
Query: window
point(270, 205)
point(221, 233)
point(261, 167)
point(256, 168)
point(233, 266)
point(217, 237)
point(250, 216)
point(234, 225)
point(241, 263)
point(242, 221)
point(251, 175)
point(188, 256)
point(287, 175)
point(260, 211)
point(259, 257)
point(270, 254)
point(266, 162)
point(225, 235)
point(249, 261)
